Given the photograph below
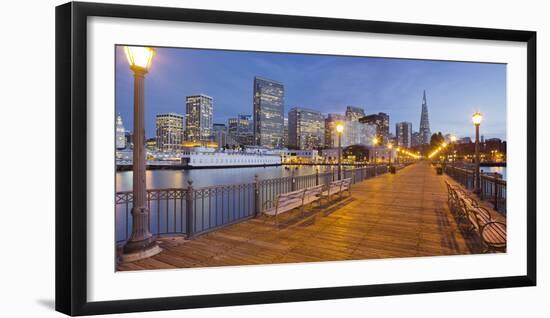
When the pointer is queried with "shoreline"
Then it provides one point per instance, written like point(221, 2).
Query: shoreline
point(126, 167)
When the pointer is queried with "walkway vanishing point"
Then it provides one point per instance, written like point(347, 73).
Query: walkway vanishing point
point(393, 215)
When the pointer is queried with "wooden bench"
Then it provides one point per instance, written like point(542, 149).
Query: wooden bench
point(312, 194)
point(337, 187)
point(491, 232)
point(289, 201)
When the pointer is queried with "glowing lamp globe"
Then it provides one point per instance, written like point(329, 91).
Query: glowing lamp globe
point(139, 57)
point(477, 118)
point(339, 128)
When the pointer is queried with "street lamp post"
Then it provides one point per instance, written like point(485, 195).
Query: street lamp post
point(477, 118)
point(142, 243)
point(397, 156)
point(374, 143)
point(339, 130)
point(445, 152)
point(390, 146)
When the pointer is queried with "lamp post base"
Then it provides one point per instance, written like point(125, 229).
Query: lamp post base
point(132, 256)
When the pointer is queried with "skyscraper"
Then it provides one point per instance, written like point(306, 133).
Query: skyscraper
point(331, 138)
point(355, 133)
point(306, 129)
point(198, 123)
point(169, 132)
point(354, 113)
point(415, 139)
point(284, 142)
point(382, 123)
point(268, 112)
point(425, 133)
point(403, 133)
point(120, 138)
point(221, 136)
point(241, 128)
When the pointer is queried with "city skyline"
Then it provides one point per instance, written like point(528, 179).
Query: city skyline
point(179, 73)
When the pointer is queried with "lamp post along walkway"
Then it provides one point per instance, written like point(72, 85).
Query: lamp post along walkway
point(477, 118)
point(340, 130)
point(142, 243)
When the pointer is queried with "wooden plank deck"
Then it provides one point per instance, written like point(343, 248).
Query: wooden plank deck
point(400, 215)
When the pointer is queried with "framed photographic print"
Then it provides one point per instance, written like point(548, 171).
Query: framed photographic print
point(208, 158)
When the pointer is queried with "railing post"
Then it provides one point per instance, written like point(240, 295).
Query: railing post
point(496, 195)
point(257, 204)
point(353, 174)
point(190, 208)
point(317, 176)
point(293, 180)
point(481, 187)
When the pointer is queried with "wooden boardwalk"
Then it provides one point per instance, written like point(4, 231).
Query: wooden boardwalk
point(401, 215)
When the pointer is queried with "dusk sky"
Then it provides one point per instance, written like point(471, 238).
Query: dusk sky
point(454, 90)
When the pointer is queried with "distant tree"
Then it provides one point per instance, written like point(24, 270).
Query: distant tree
point(436, 140)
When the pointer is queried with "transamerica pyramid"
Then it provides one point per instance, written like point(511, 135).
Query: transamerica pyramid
point(424, 131)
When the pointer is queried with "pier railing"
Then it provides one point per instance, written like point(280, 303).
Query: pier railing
point(492, 189)
point(192, 211)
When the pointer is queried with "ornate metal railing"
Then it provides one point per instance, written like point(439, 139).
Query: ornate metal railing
point(491, 188)
point(192, 211)
point(167, 212)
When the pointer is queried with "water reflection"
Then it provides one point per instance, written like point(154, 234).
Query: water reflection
point(501, 170)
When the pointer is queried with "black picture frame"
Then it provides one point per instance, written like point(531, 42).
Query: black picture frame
point(71, 157)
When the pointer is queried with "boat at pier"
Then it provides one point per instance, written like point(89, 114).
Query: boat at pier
point(210, 158)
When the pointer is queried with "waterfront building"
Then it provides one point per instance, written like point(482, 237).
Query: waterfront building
point(403, 134)
point(306, 128)
point(425, 133)
point(268, 104)
point(368, 134)
point(284, 142)
point(330, 155)
point(464, 140)
point(219, 127)
point(199, 112)
point(382, 123)
point(355, 133)
point(129, 139)
point(415, 139)
point(241, 128)
point(354, 113)
point(151, 144)
point(120, 134)
point(331, 137)
point(222, 137)
point(169, 132)
point(299, 156)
